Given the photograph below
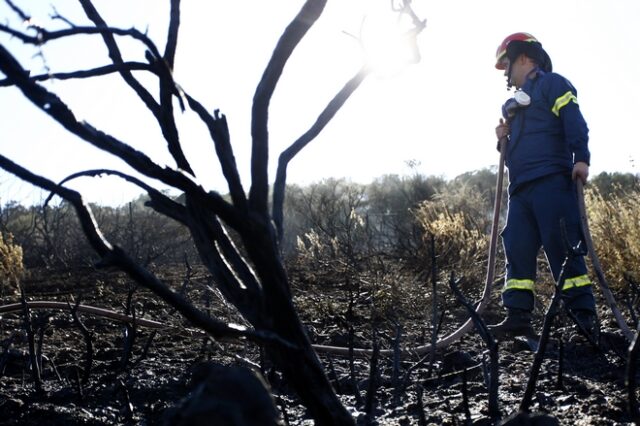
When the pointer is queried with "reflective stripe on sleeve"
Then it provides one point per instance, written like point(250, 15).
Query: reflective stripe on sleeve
point(513, 284)
point(563, 101)
point(579, 281)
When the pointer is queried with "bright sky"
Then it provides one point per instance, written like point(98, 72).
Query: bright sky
point(441, 112)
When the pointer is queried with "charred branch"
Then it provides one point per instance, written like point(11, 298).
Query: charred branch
point(17, 10)
point(172, 35)
point(219, 131)
point(481, 327)
point(549, 317)
point(630, 381)
point(162, 112)
point(435, 325)
point(85, 216)
point(94, 72)
point(370, 400)
point(130, 331)
point(422, 420)
point(42, 321)
point(168, 88)
point(33, 359)
point(253, 277)
point(397, 357)
point(293, 34)
point(158, 201)
point(114, 256)
point(465, 397)
point(287, 155)
point(232, 275)
point(560, 382)
point(58, 110)
point(147, 347)
point(44, 36)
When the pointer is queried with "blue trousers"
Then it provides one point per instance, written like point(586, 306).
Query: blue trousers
point(533, 221)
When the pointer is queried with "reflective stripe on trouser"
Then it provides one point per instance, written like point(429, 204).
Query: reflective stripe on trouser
point(513, 284)
point(518, 294)
point(574, 282)
point(535, 213)
point(576, 292)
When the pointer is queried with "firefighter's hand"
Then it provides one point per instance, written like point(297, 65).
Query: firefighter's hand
point(502, 130)
point(580, 171)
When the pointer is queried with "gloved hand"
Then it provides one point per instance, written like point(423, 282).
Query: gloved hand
point(509, 108)
point(520, 100)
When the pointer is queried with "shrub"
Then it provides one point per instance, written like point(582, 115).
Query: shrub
point(613, 223)
point(458, 222)
point(11, 267)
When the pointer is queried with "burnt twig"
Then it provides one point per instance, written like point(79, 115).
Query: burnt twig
point(481, 327)
point(128, 405)
point(219, 131)
point(465, 397)
point(33, 360)
point(41, 322)
point(560, 382)
point(145, 350)
point(288, 154)
point(397, 353)
point(93, 72)
point(435, 327)
point(630, 381)
point(373, 379)
point(293, 34)
point(550, 315)
point(350, 338)
point(130, 330)
point(422, 420)
point(88, 341)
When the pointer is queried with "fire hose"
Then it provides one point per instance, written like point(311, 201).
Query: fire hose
point(418, 350)
point(486, 294)
point(339, 350)
point(595, 261)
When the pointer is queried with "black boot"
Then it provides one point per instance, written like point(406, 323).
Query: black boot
point(585, 320)
point(517, 323)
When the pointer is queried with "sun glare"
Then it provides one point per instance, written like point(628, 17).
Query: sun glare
point(388, 42)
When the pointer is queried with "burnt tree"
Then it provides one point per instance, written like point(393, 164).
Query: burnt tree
point(252, 277)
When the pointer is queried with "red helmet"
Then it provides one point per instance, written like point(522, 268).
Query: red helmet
point(502, 49)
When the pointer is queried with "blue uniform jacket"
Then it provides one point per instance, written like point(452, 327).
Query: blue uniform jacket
point(550, 135)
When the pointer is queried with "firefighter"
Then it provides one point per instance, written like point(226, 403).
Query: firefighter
point(547, 150)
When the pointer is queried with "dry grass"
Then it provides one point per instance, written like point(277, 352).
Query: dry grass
point(458, 224)
point(11, 267)
point(615, 227)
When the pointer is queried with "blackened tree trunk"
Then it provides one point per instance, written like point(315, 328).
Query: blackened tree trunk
point(251, 277)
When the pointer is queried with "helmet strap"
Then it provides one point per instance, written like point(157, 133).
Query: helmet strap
point(509, 85)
